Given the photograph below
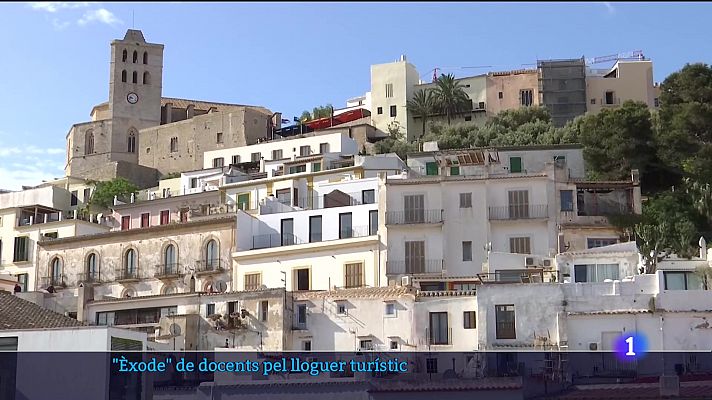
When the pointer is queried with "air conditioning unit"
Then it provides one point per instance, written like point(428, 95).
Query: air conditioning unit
point(406, 281)
point(593, 346)
point(531, 262)
point(547, 262)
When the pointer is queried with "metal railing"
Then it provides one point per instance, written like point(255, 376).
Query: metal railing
point(415, 266)
point(519, 211)
point(414, 216)
point(56, 281)
point(210, 266)
point(314, 202)
point(275, 240)
point(89, 277)
point(437, 338)
point(170, 270)
point(127, 274)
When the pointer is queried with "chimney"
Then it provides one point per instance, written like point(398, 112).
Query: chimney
point(169, 112)
point(402, 57)
point(703, 248)
point(85, 294)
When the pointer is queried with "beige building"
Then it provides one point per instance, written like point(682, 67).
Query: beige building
point(140, 135)
point(508, 90)
point(392, 85)
point(626, 80)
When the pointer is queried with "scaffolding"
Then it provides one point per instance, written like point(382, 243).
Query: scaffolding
point(562, 87)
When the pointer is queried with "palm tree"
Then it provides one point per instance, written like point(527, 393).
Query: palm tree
point(422, 105)
point(450, 96)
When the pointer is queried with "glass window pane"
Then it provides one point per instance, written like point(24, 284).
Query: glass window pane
point(674, 281)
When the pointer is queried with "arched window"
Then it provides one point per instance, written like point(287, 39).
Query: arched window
point(135, 77)
point(169, 289)
point(92, 268)
point(130, 264)
point(56, 272)
point(145, 57)
point(125, 56)
point(211, 254)
point(123, 76)
point(135, 57)
point(146, 78)
point(169, 259)
point(89, 142)
point(132, 141)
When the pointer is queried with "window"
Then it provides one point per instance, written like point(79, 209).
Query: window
point(316, 167)
point(174, 144)
point(520, 245)
point(505, 323)
point(515, 164)
point(468, 320)
point(431, 168)
point(610, 97)
point(125, 222)
point(438, 328)
point(365, 344)
point(354, 275)
point(390, 309)
point(306, 345)
point(89, 142)
point(135, 56)
point(23, 279)
point(368, 196)
point(123, 76)
point(501, 95)
point(414, 257)
point(596, 272)
point(656, 102)
point(287, 226)
point(682, 280)
point(243, 201)
point(454, 171)
point(323, 148)
point(236, 159)
point(567, 200)
point(145, 218)
point(131, 141)
point(264, 308)
point(22, 247)
point(465, 200)
point(389, 90)
point(209, 309)
point(74, 199)
point(56, 271)
point(183, 215)
point(134, 77)
point(301, 279)
point(373, 222)
point(145, 57)
point(518, 204)
point(431, 365)
point(165, 217)
point(468, 118)
point(304, 150)
point(105, 318)
point(341, 308)
point(169, 259)
point(414, 208)
point(593, 101)
point(254, 157)
point(211, 253)
point(277, 154)
point(467, 251)
point(218, 162)
point(393, 111)
point(315, 229)
point(527, 97)
point(87, 195)
point(298, 168)
point(219, 137)
point(345, 226)
point(124, 55)
point(301, 315)
point(481, 105)
point(253, 281)
point(379, 110)
point(193, 183)
point(130, 263)
point(146, 78)
point(598, 242)
point(394, 345)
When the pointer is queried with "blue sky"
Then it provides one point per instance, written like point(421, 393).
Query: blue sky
point(290, 57)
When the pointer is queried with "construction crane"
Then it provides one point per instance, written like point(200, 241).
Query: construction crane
point(636, 54)
point(436, 69)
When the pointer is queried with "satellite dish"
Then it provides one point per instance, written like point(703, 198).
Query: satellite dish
point(174, 329)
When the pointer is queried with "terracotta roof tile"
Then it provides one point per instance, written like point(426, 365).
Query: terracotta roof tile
point(367, 292)
point(17, 313)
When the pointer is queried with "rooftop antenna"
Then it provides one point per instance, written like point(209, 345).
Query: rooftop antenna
point(133, 19)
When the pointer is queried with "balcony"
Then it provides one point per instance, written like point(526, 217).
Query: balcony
point(414, 217)
point(56, 281)
point(317, 201)
point(168, 271)
point(89, 277)
point(518, 212)
point(275, 240)
point(126, 275)
point(207, 267)
point(414, 267)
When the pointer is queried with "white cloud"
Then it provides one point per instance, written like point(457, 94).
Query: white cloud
point(15, 178)
point(609, 7)
point(59, 25)
point(11, 151)
point(54, 6)
point(101, 15)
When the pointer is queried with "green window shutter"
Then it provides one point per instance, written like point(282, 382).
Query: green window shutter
point(515, 164)
point(431, 168)
point(454, 171)
point(316, 167)
point(243, 201)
